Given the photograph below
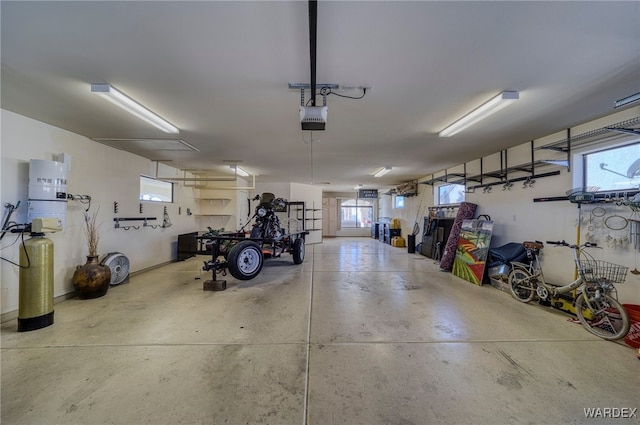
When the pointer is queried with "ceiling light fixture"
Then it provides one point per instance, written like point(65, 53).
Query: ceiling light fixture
point(239, 171)
point(627, 100)
point(381, 172)
point(133, 107)
point(492, 106)
point(358, 186)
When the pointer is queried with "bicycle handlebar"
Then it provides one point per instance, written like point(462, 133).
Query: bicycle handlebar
point(564, 243)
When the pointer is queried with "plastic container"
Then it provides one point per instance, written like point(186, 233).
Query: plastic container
point(633, 337)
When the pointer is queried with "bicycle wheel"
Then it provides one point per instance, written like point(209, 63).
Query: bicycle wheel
point(522, 288)
point(606, 318)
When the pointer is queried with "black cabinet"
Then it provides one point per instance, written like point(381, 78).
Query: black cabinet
point(434, 236)
point(383, 232)
point(187, 245)
point(390, 233)
point(375, 230)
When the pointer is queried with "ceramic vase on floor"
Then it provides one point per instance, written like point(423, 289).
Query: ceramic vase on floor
point(92, 279)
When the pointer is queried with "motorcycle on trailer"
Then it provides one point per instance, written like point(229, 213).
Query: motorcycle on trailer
point(267, 223)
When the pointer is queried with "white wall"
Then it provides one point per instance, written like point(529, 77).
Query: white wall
point(108, 175)
point(222, 204)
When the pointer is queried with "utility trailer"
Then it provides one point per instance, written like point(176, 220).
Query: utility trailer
point(244, 257)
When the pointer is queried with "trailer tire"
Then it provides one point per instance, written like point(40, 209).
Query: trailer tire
point(245, 260)
point(298, 251)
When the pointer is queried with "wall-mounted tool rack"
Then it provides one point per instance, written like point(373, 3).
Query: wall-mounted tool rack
point(618, 198)
point(145, 221)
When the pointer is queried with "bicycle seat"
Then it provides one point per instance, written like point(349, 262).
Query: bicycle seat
point(533, 245)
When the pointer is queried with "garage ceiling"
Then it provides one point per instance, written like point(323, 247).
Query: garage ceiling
point(220, 72)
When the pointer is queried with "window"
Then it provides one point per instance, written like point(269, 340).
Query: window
point(398, 202)
point(356, 213)
point(155, 190)
point(450, 194)
point(613, 169)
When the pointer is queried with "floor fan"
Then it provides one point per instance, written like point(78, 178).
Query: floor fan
point(118, 263)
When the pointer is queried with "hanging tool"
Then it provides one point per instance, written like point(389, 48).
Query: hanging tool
point(7, 221)
point(635, 226)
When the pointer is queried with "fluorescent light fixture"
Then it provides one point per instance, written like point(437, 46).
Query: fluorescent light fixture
point(381, 172)
point(239, 171)
point(358, 186)
point(627, 100)
point(492, 106)
point(133, 107)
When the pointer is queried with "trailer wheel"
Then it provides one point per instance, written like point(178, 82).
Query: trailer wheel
point(245, 260)
point(298, 251)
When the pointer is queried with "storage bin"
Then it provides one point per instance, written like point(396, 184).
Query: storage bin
point(397, 241)
point(633, 337)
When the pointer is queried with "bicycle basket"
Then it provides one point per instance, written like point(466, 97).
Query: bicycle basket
point(597, 270)
point(582, 195)
point(634, 203)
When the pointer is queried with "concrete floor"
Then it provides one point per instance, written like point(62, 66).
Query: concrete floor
point(360, 333)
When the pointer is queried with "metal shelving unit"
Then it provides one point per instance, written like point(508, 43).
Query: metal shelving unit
point(631, 126)
point(505, 175)
point(508, 174)
point(313, 218)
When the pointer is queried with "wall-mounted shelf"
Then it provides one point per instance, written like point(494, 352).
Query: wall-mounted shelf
point(453, 178)
point(512, 174)
point(212, 206)
point(631, 126)
point(505, 175)
point(297, 210)
point(504, 181)
point(311, 216)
